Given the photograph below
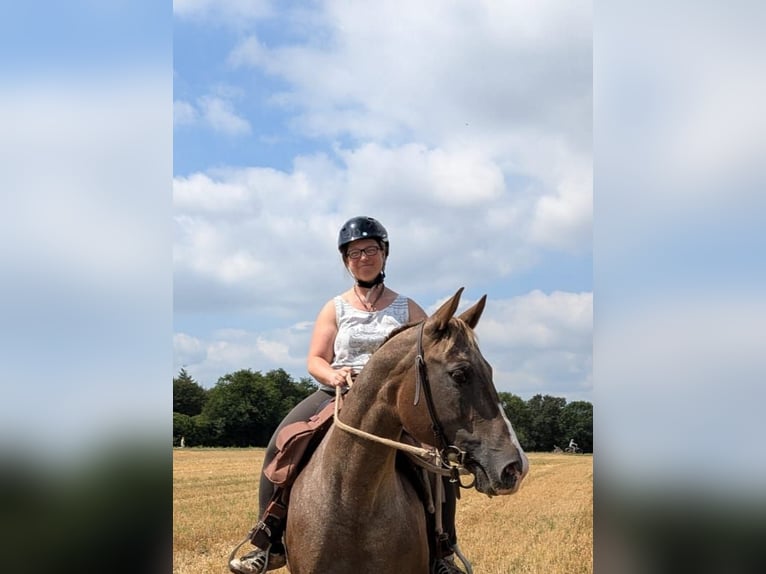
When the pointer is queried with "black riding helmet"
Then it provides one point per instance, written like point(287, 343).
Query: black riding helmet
point(362, 228)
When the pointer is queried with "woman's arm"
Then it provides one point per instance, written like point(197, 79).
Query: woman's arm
point(322, 349)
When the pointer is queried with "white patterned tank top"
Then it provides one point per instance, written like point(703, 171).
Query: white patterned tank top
point(361, 332)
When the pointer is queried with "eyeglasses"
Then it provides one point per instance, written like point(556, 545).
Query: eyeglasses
point(368, 251)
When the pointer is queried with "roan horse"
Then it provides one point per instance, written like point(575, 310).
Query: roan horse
point(351, 512)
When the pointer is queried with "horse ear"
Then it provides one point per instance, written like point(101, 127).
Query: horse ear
point(437, 322)
point(472, 315)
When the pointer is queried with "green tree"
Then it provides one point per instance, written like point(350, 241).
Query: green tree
point(203, 432)
point(245, 407)
point(544, 429)
point(291, 392)
point(183, 426)
point(517, 412)
point(188, 396)
point(576, 421)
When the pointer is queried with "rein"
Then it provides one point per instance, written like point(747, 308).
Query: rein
point(428, 458)
point(431, 458)
point(417, 451)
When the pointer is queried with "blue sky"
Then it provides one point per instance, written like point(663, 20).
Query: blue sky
point(466, 130)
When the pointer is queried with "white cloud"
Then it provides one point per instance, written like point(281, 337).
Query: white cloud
point(184, 113)
point(277, 352)
point(219, 114)
point(249, 51)
point(540, 343)
point(466, 107)
point(445, 72)
point(187, 349)
point(446, 178)
point(231, 349)
point(235, 227)
point(198, 193)
point(243, 236)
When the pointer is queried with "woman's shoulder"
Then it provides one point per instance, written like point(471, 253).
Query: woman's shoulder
point(413, 310)
point(339, 305)
point(329, 309)
point(416, 312)
point(395, 297)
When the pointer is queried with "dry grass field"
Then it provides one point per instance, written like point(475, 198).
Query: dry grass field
point(547, 527)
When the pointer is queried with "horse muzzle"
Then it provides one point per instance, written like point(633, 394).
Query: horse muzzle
point(497, 479)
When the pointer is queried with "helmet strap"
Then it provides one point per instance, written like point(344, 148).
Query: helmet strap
point(370, 284)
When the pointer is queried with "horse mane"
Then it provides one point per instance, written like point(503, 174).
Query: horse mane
point(398, 330)
point(401, 328)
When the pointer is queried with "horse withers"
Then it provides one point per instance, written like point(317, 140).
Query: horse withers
point(351, 511)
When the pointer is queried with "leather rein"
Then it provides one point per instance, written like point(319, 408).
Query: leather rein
point(449, 459)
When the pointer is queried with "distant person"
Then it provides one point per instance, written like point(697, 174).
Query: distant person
point(347, 330)
point(183, 442)
point(572, 445)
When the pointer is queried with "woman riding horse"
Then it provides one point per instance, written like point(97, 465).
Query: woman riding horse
point(347, 330)
point(352, 510)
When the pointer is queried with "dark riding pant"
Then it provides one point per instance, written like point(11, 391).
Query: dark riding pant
point(303, 411)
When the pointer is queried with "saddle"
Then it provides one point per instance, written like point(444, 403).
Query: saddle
point(293, 443)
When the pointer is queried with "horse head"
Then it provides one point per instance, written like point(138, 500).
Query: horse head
point(466, 407)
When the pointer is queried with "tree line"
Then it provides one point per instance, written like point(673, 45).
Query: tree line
point(245, 407)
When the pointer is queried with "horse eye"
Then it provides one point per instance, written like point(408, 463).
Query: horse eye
point(458, 375)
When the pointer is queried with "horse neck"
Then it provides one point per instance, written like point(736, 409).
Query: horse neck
point(371, 406)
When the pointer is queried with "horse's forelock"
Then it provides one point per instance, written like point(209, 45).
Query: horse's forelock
point(460, 328)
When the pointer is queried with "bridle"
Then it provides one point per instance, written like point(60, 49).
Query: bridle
point(453, 456)
point(446, 460)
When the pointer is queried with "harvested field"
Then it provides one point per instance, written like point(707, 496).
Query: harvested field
point(547, 527)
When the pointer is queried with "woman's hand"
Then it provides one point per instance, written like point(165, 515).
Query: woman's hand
point(338, 378)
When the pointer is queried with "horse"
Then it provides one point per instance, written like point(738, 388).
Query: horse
point(351, 510)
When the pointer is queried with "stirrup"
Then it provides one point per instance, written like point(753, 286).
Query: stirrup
point(463, 559)
point(260, 527)
point(233, 553)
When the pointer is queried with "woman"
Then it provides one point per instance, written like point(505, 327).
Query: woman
point(347, 330)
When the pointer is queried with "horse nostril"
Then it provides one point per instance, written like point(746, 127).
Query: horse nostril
point(510, 472)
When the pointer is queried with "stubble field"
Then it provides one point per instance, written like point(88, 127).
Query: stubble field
point(547, 527)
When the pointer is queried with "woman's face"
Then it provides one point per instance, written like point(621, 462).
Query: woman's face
point(361, 262)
